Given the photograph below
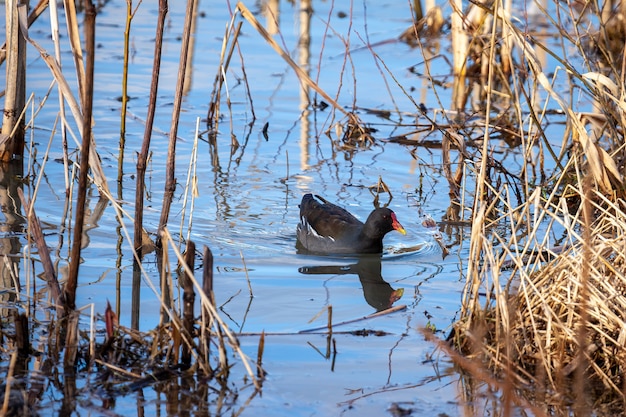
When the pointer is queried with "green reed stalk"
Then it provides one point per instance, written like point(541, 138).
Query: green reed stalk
point(130, 14)
point(120, 157)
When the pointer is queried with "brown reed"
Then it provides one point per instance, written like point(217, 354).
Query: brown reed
point(545, 317)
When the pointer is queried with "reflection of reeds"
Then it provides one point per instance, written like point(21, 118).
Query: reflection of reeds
point(353, 133)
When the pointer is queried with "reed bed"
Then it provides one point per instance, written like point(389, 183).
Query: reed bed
point(543, 304)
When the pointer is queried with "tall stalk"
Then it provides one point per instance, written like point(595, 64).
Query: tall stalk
point(170, 168)
point(90, 35)
point(142, 158)
point(54, 28)
point(15, 94)
point(129, 18)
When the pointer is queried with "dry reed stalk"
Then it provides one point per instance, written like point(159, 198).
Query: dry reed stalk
point(12, 142)
point(459, 55)
point(581, 358)
point(55, 69)
point(207, 288)
point(75, 44)
point(329, 325)
point(417, 10)
point(506, 45)
point(191, 49)
point(234, 143)
point(259, 357)
point(170, 166)
point(90, 45)
point(602, 167)
point(191, 185)
point(247, 84)
point(142, 156)
point(207, 272)
point(245, 268)
point(224, 63)
point(34, 228)
point(44, 162)
point(54, 25)
point(166, 287)
point(36, 11)
point(378, 62)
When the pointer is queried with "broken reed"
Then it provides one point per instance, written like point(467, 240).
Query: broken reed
point(543, 305)
point(12, 143)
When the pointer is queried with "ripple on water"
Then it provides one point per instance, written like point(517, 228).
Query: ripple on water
point(397, 250)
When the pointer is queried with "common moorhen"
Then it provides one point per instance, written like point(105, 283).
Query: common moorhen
point(325, 228)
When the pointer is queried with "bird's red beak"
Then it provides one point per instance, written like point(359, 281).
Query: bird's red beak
point(396, 224)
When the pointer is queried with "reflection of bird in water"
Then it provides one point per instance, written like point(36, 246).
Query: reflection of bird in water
point(325, 228)
point(378, 293)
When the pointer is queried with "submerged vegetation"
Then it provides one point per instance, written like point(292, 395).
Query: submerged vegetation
point(543, 309)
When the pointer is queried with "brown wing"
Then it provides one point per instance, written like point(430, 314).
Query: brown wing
point(326, 218)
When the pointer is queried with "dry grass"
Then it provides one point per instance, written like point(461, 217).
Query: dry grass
point(545, 313)
point(545, 299)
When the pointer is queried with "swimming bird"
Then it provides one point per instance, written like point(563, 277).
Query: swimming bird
point(326, 228)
